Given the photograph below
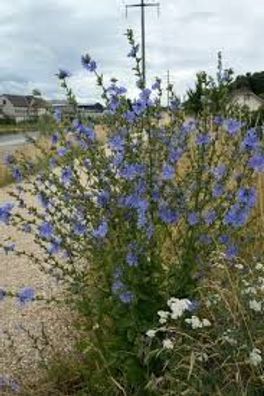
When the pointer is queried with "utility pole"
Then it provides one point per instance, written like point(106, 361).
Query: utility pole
point(143, 5)
point(168, 88)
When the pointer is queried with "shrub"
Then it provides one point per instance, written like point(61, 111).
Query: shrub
point(129, 222)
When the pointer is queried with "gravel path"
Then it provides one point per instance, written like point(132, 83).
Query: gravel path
point(28, 333)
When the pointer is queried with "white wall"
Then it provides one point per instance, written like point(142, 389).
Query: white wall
point(250, 101)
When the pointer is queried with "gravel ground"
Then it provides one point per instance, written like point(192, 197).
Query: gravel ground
point(28, 334)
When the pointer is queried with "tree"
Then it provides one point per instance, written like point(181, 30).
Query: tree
point(36, 92)
point(254, 82)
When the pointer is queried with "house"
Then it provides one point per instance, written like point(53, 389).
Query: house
point(91, 109)
point(22, 107)
point(245, 97)
point(63, 107)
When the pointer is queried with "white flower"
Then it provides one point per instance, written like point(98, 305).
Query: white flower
point(232, 341)
point(250, 290)
point(163, 316)
point(202, 357)
point(221, 266)
point(195, 322)
point(151, 333)
point(255, 357)
point(167, 344)
point(255, 305)
point(208, 303)
point(239, 266)
point(259, 267)
point(178, 306)
point(206, 323)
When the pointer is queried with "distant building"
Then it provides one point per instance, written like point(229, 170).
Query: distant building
point(66, 109)
point(245, 97)
point(91, 109)
point(22, 108)
point(62, 107)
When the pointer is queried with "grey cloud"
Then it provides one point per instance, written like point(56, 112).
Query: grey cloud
point(38, 37)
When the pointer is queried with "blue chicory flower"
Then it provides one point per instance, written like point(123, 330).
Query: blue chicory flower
point(203, 139)
point(126, 297)
point(168, 172)
point(101, 231)
point(55, 246)
point(132, 259)
point(219, 171)
point(193, 218)
point(130, 116)
point(257, 162)
point(26, 228)
point(66, 175)
point(103, 198)
point(5, 212)
point(62, 74)
point(46, 230)
point(133, 52)
point(17, 175)
point(251, 140)
point(237, 216)
point(209, 217)
point(62, 151)
point(88, 63)
point(54, 139)
point(9, 159)
point(87, 132)
point(26, 294)
point(247, 196)
point(7, 383)
point(168, 215)
point(116, 143)
point(232, 252)
point(156, 85)
point(218, 191)
point(43, 199)
point(9, 248)
point(80, 229)
point(219, 120)
point(3, 294)
point(233, 126)
point(131, 171)
point(224, 239)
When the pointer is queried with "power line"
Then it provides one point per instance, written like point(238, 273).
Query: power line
point(143, 5)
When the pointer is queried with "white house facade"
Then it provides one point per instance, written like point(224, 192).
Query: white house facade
point(21, 108)
point(245, 97)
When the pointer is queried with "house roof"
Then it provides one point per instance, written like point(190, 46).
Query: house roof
point(94, 107)
point(25, 100)
point(58, 103)
point(17, 100)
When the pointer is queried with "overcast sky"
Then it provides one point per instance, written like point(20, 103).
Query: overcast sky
point(39, 36)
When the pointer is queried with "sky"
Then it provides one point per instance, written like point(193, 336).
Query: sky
point(39, 37)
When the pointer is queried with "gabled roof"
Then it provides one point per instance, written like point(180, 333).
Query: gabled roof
point(95, 107)
point(58, 103)
point(17, 100)
point(25, 100)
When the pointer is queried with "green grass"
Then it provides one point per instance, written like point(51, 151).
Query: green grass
point(44, 124)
